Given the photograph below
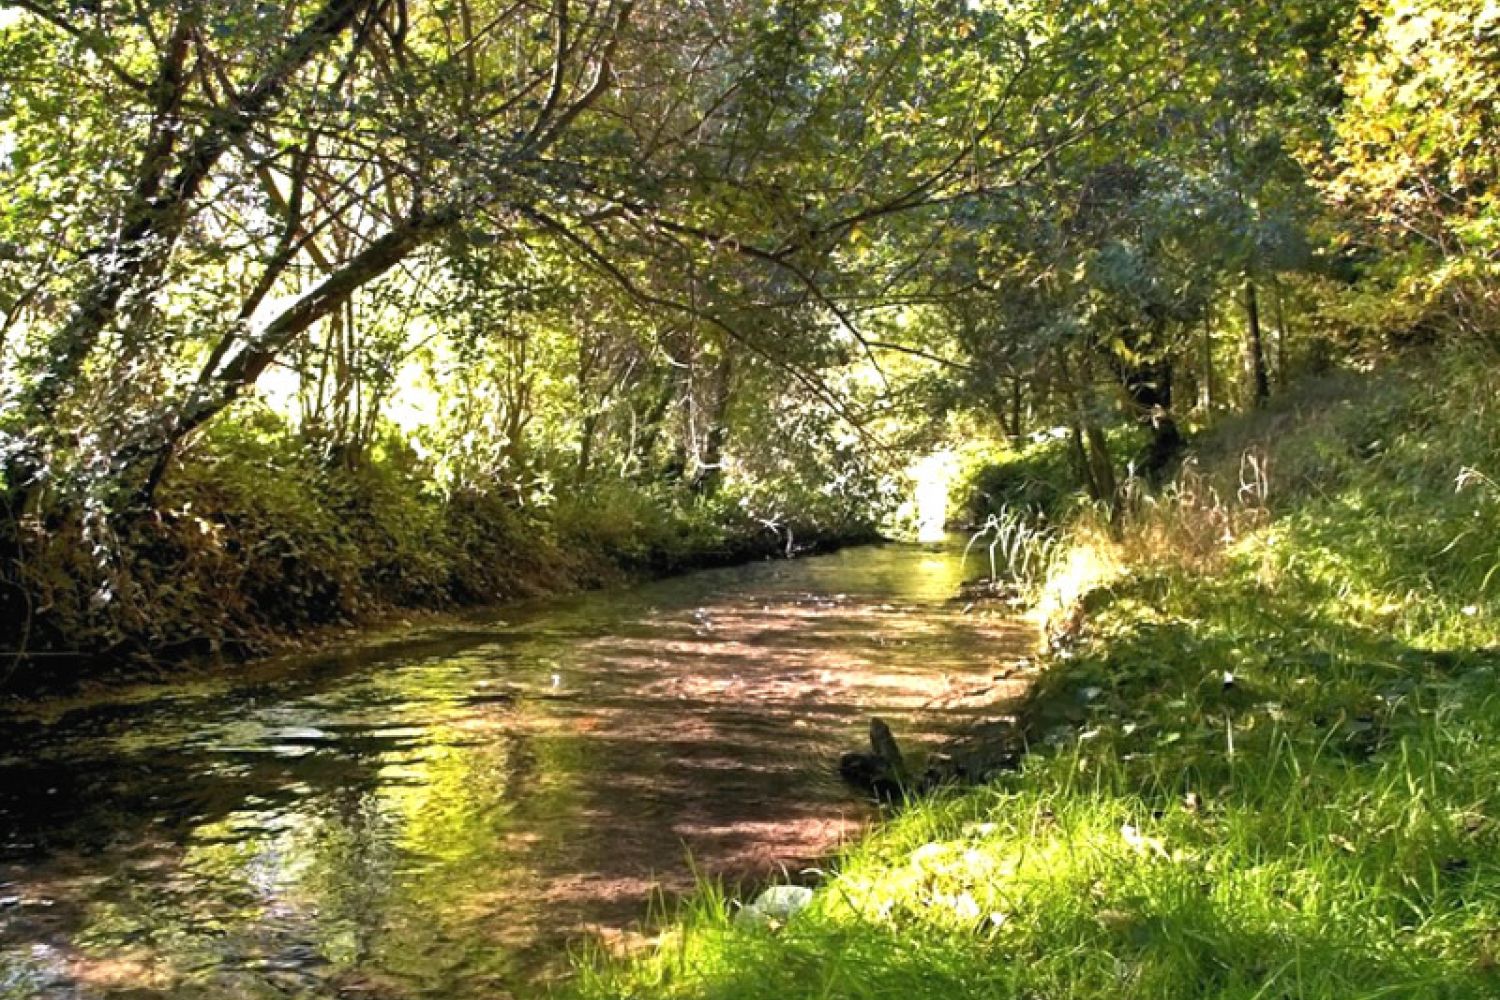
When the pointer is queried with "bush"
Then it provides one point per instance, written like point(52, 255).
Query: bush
point(256, 537)
point(1040, 480)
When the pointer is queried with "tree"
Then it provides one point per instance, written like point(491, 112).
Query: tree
point(1414, 163)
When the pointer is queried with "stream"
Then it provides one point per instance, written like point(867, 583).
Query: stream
point(447, 813)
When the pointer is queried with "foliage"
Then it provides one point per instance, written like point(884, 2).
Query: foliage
point(722, 270)
point(314, 310)
point(1041, 478)
point(1415, 160)
point(261, 536)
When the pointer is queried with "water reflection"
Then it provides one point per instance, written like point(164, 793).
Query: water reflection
point(441, 818)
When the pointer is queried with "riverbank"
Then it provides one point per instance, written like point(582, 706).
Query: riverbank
point(1262, 754)
point(257, 546)
point(379, 629)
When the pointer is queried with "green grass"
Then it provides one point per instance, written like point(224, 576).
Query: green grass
point(1328, 826)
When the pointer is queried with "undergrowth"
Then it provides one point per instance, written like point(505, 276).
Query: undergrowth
point(258, 538)
point(1262, 761)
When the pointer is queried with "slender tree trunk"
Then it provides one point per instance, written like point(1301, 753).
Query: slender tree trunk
point(586, 430)
point(160, 206)
point(1103, 470)
point(588, 413)
point(710, 471)
point(650, 426)
point(1091, 452)
point(153, 222)
point(1000, 406)
point(1281, 333)
point(1206, 387)
point(1255, 355)
point(228, 376)
point(1091, 445)
point(1081, 458)
point(219, 389)
point(1017, 398)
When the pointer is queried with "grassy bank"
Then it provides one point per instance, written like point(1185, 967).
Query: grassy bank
point(1264, 754)
point(258, 539)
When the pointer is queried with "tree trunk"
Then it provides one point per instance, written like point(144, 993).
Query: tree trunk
point(158, 213)
point(1102, 471)
point(1090, 444)
point(1255, 354)
point(1149, 387)
point(586, 430)
point(1081, 459)
point(1016, 429)
point(650, 425)
point(710, 464)
point(1281, 333)
point(219, 389)
point(1206, 387)
point(153, 221)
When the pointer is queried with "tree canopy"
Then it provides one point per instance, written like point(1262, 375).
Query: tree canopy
point(724, 244)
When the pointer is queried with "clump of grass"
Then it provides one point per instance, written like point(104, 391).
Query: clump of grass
point(1264, 768)
point(1198, 515)
point(1020, 548)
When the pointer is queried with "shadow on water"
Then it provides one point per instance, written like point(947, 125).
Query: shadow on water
point(442, 818)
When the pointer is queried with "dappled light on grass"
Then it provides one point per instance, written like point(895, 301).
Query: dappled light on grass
point(1091, 562)
point(320, 311)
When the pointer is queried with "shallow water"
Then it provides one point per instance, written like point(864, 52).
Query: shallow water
point(447, 815)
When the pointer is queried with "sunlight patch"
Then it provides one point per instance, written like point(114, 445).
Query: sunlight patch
point(933, 478)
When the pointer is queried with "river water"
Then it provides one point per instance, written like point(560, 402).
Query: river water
point(448, 813)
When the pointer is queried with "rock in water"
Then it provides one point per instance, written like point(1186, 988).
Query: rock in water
point(882, 771)
point(869, 773)
point(883, 743)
